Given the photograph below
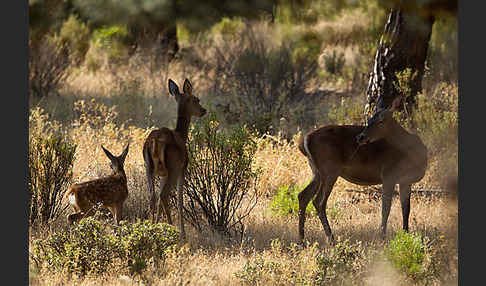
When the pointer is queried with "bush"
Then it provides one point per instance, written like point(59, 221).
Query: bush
point(220, 181)
point(262, 82)
point(228, 27)
point(112, 42)
point(91, 248)
point(48, 66)
point(407, 251)
point(344, 261)
point(279, 265)
point(334, 62)
point(51, 161)
point(76, 35)
point(143, 241)
point(286, 202)
point(84, 249)
point(346, 112)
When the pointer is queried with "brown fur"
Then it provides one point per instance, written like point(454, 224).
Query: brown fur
point(392, 156)
point(111, 192)
point(165, 154)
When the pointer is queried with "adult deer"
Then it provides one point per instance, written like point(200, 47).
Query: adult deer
point(165, 153)
point(111, 191)
point(382, 152)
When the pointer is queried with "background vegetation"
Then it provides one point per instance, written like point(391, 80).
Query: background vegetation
point(266, 78)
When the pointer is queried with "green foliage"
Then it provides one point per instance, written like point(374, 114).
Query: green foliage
point(110, 44)
point(307, 45)
point(442, 55)
point(91, 248)
point(143, 240)
point(51, 159)
point(404, 82)
point(407, 251)
point(84, 249)
point(228, 26)
point(343, 261)
point(76, 35)
point(346, 112)
point(286, 202)
point(262, 81)
point(220, 181)
point(255, 269)
point(436, 117)
point(107, 35)
point(334, 62)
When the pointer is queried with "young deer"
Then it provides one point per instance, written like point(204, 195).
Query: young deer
point(165, 154)
point(111, 192)
point(380, 153)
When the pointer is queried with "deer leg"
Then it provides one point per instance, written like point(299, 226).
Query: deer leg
point(405, 190)
point(150, 182)
point(118, 212)
point(320, 203)
point(162, 168)
point(180, 185)
point(163, 200)
point(71, 218)
point(386, 201)
point(74, 217)
point(304, 198)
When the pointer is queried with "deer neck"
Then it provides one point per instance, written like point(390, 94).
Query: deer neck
point(182, 125)
point(400, 138)
point(121, 174)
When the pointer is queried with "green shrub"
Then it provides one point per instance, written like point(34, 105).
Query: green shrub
point(110, 45)
point(254, 270)
point(76, 35)
point(228, 27)
point(90, 247)
point(346, 112)
point(436, 117)
point(143, 241)
point(307, 45)
point(107, 35)
point(334, 62)
point(340, 263)
point(286, 202)
point(84, 249)
point(51, 160)
point(407, 251)
point(262, 81)
point(220, 181)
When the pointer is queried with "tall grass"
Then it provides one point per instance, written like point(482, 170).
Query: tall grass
point(123, 102)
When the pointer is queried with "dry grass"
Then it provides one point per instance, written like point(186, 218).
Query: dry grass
point(208, 259)
point(139, 99)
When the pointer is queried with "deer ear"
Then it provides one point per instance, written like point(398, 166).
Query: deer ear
point(124, 154)
point(187, 88)
point(173, 88)
point(110, 156)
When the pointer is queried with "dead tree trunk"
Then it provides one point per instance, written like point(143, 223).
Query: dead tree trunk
point(403, 45)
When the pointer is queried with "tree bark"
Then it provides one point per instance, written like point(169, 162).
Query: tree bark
point(404, 44)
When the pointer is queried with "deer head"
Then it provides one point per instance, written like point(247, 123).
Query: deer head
point(117, 162)
point(188, 104)
point(379, 125)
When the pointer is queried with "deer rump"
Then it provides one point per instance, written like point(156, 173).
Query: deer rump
point(160, 144)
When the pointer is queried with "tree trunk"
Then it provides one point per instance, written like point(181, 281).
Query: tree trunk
point(403, 46)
